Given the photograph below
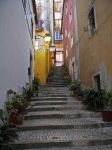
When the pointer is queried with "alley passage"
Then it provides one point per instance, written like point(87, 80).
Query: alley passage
point(58, 121)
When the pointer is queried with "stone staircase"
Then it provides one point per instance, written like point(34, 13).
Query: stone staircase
point(58, 80)
point(58, 121)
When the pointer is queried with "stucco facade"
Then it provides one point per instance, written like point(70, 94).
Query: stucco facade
point(16, 48)
point(69, 36)
point(42, 57)
point(96, 48)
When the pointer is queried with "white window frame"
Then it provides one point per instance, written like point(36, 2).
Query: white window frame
point(57, 36)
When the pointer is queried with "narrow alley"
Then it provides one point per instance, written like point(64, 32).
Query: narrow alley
point(55, 75)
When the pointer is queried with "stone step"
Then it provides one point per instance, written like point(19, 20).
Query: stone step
point(64, 138)
point(58, 78)
point(58, 98)
point(51, 85)
point(59, 114)
point(58, 83)
point(98, 147)
point(54, 107)
point(58, 103)
point(61, 80)
point(52, 95)
point(50, 102)
point(40, 124)
point(45, 87)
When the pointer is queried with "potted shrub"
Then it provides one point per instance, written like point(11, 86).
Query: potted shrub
point(82, 95)
point(27, 93)
point(67, 78)
point(35, 86)
point(75, 87)
point(18, 103)
point(94, 99)
point(107, 111)
point(7, 132)
point(15, 108)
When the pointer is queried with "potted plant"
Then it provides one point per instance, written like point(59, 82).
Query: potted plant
point(82, 95)
point(7, 132)
point(15, 108)
point(19, 103)
point(107, 111)
point(94, 99)
point(75, 87)
point(35, 85)
point(27, 93)
point(16, 117)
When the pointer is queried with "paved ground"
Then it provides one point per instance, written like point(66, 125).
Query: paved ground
point(58, 121)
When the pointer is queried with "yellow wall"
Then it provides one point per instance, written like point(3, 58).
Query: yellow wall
point(59, 45)
point(42, 64)
point(95, 51)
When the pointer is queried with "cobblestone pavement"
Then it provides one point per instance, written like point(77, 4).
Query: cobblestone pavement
point(104, 147)
point(69, 134)
point(87, 126)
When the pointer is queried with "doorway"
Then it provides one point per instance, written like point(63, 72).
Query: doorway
point(97, 82)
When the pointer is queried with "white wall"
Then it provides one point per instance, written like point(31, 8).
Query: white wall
point(15, 46)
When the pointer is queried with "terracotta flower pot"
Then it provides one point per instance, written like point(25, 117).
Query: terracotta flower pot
point(16, 118)
point(81, 98)
point(107, 116)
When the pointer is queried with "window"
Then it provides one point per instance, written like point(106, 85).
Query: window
point(92, 21)
point(58, 36)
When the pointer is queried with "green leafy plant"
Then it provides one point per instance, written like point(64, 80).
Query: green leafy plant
point(19, 102)
point(27, 92)
point(94, 99)
point(107, 100)
point(7, 132)
point(35, 84)
point(75, 85)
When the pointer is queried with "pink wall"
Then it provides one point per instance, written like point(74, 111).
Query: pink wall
point(70, 28)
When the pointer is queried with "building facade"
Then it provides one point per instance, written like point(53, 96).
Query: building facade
point(17, 25)
point(95, 42)
point(58, 6)
point(69, 36)
point(44, 28)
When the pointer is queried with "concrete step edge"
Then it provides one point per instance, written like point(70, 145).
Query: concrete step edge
point(57, 143)
point(63, 126)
